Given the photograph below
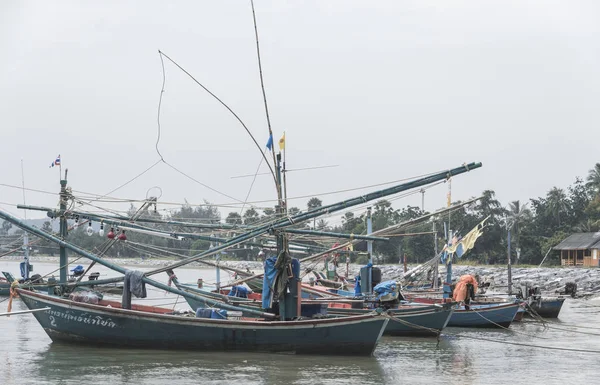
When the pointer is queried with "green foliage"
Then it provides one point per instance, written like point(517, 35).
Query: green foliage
point(593, 180)
point(6, 226)
point(250, 216)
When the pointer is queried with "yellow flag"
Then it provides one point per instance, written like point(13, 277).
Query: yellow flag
point(282, 142)
point(468, 241)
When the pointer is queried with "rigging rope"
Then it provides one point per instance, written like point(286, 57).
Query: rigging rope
point(223, 104)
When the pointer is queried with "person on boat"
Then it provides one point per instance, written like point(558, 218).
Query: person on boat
point(465, 290)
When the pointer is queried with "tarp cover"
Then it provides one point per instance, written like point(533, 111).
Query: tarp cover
point(385, 288)
point(239, 291)
point(269, 282)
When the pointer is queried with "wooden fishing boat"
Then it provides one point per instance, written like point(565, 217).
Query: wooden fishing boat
point(495, 314)
point(484, 316)
point(417, 320)
point(548, 307)
point(151, 327)
point(409, 321)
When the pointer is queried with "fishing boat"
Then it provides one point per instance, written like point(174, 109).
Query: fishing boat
point(478, 315)
point(106, 323)
point(413, 321)
point(547, 307)
point(484, 316)
point(409, 321)
point(539, 304)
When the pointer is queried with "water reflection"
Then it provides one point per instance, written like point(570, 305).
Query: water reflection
point(60, 362)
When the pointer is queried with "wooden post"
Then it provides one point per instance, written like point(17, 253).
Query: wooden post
point(405, 267)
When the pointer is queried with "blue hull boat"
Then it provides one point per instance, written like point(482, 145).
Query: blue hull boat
point(424, 322)
point(484, 316)
point(547, 307)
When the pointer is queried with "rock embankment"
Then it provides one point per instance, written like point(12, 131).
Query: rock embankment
point(550, 279)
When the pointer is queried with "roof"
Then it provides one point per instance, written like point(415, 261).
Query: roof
point(580, 241)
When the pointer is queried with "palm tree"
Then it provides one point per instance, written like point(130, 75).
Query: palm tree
point(517, 213)
point(557, 199)
point(589, 226)
point(593, 179)
point(314, 203)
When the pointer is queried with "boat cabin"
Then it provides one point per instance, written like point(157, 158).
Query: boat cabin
point(580, 249)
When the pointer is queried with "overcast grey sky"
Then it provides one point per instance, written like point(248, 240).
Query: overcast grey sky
point(385, 89)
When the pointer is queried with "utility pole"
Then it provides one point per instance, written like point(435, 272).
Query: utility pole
point(26, 234)
point(422, 191)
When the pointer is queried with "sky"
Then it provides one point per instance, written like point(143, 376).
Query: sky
point(384, 90)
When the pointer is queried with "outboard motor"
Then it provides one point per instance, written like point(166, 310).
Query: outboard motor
point(571, 289)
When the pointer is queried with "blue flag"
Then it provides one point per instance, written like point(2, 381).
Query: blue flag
point(270, 142)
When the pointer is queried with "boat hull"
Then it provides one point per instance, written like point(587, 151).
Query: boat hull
point(417, 323)
point(548, 307)
point(484, 316)
point(94, 324)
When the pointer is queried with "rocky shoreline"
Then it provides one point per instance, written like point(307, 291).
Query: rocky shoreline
point(549, 279)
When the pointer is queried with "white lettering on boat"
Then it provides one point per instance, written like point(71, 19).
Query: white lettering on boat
point(81, 318)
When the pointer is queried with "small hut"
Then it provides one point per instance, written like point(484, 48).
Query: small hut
point(580, 249)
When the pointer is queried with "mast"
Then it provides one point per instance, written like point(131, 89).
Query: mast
point(26, 235)
point(369, 232)
point(509, 263)
point(435, 251)
point(63, 261)
point(448, 283)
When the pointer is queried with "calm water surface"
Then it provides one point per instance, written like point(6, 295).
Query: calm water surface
point(27, 355)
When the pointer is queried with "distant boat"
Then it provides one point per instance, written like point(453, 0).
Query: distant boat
point(489, 315)
point(152, 327)
point(548, 307)
point(485, 316)
point(409, 321)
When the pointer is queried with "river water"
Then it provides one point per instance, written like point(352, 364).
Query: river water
point(27, 355)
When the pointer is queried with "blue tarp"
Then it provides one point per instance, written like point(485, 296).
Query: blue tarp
point(24, 270)
point(77, 270)
point(384, 288)
point(211, 313)
point(269, 282)
point(239, 291)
